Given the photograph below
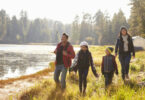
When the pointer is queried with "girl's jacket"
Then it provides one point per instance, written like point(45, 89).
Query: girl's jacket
point(82, 61)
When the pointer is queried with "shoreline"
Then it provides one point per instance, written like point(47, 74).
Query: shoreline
point(13, 87)
point(40, 73)
point(31, 44)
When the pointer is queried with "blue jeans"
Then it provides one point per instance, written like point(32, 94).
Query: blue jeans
point(60, 69)
point(125, 61)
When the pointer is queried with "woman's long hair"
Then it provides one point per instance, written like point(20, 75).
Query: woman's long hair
point(120, 35)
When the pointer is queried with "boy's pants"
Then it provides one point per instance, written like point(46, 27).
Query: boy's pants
point(108, 78)
point(125, 61)
point(60, 69)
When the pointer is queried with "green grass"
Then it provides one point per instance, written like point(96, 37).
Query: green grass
point(130, 90)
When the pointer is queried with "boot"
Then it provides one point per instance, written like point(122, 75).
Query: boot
point(127, 77)
point(84, 92)
point(58, 86)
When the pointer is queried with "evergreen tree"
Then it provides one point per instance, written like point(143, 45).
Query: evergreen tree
point(137, 18)
point(75, 31)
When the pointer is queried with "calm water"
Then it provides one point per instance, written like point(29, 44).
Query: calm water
point(18, 60)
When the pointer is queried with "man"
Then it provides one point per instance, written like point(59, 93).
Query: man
point(64, 54)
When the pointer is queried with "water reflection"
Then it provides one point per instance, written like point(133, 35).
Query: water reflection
point(18, 60)
point(23, 61)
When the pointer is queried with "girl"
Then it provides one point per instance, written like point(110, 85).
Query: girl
point(126, 47)
point(81, 63)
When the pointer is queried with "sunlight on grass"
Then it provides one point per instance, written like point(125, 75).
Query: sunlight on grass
point(130, 90)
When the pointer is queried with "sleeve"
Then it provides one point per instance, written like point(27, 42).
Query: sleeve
point(102, 66)
point(92, 66)
point(72, 53)
point(116, 46)
point(75, 62)
point(133, 51)
point(115, 64)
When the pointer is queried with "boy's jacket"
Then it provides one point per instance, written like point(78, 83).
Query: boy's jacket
point(109, 64)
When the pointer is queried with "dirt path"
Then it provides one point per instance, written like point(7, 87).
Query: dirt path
point(12, 89)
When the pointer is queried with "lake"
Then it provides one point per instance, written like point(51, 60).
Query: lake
point(18, 60)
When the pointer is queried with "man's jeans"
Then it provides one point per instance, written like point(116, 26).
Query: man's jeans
point(125, 61)
point(60, 69)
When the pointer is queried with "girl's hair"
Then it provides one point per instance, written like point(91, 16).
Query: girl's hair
point(87, 48)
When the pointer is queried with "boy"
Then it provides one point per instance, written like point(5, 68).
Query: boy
point(109, 66)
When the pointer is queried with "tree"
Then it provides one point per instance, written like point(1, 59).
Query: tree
point(137, 18)
point(24, 24)
point(58, 29)
point(75, 31)
point(86, 28)
point(99, 29)
point(15, 31)
point(118, 20)
point(99, 25)
point(3, 24)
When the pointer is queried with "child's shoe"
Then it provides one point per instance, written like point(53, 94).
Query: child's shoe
point(127, 77)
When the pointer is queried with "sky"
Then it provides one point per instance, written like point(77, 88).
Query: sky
point(63, 10)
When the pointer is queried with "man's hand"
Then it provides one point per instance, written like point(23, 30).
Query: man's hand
point(116, 72)
point(64, 53)
point(115, 55)
point(55, 51)
point(102, 72)
point(97, 75)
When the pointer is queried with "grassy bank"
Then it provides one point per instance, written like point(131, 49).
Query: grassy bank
point(131, 90)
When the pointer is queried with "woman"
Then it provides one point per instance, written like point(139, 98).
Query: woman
point(126, 47)
point(81, 63)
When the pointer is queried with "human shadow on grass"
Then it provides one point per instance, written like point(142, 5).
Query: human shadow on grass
point(132, 84)
point(57, 93)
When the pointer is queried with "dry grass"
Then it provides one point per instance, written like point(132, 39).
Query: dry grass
point(130, 90)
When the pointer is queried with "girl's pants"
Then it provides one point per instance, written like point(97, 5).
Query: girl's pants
point(83, 73)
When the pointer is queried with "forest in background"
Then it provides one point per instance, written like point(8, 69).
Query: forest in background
point(98, 29)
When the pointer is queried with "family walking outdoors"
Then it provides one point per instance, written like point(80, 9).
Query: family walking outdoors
point(83, 60)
